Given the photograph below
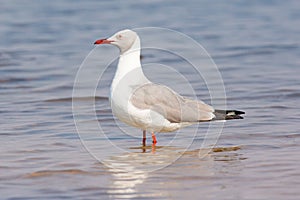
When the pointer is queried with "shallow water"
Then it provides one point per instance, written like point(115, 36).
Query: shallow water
point(256, 48)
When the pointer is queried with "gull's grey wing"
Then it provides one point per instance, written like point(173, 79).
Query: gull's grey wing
point(171, 105)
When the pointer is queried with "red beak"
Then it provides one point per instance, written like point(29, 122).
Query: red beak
point(103, 41)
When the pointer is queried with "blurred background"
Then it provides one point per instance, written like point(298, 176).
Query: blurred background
point(255, 45)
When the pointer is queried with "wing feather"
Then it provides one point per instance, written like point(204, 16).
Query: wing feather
point(171, 105)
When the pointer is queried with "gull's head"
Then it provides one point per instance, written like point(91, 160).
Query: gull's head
point(124, 40)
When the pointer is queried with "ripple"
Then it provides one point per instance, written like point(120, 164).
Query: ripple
point(241, 51)
point(224, 149)
point(70, 99)
point(15, 80)
point(56, 172)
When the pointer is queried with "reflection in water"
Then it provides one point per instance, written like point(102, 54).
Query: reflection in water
point(131, 170)
point(124, 183)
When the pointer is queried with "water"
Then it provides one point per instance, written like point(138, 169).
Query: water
point(256, 46)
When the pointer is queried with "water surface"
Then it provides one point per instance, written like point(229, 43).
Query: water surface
point(256, 47)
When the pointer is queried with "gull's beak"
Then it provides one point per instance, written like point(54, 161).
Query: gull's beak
point(103, 41)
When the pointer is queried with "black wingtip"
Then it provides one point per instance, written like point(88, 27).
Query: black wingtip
point(228, 114)
point(239, 112)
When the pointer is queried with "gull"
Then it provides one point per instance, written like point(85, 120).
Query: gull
point(152, 107)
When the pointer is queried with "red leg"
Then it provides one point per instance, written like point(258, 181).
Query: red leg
point(153, 150)
point(144, 138)
point(154, 141)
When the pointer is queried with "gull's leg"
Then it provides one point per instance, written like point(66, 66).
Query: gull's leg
point(153, 149)
point(144, 137)
point(154, 141)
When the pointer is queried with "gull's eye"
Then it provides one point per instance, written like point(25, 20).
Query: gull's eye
point(119, 36)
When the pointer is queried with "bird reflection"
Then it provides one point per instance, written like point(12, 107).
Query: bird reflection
point(124, 183)
point(131, 170)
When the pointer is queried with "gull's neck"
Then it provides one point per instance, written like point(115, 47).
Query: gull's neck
point(129, 67)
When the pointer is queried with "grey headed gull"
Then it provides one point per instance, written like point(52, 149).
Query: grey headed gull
point(152, 107)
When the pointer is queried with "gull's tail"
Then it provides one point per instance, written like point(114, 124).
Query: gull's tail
point(228, 114)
